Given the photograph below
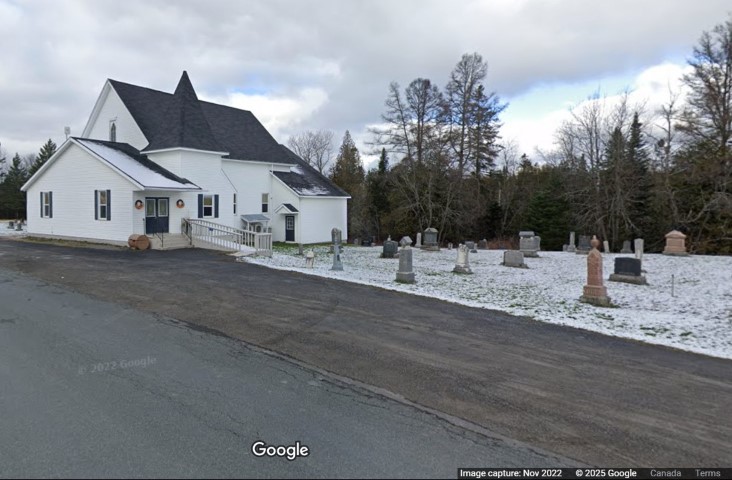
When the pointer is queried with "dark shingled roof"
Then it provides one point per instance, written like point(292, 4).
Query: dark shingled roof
point(135, 154)
point(309, 183)
point(184, 124)
point(235, 131)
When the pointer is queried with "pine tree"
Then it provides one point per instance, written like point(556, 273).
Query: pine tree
point(11, 198)
point(378, 194)
point(46, 152)
point(641, 181)
point(348, 173)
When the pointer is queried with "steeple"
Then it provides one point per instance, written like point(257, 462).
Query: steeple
point(183, 124)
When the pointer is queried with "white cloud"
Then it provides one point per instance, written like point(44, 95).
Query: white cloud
point(322, 64)
point(280, 114)
point(650, 89)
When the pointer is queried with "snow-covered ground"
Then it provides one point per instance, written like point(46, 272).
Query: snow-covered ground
point(9, 232)
point(698, 317)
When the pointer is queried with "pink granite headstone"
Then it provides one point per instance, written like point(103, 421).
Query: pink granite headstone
point(595, 292)
point(675, 244)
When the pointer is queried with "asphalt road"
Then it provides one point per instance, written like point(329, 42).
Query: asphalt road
point(599, 400)
point(93, 389)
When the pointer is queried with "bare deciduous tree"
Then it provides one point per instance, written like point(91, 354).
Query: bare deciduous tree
point(315, 147)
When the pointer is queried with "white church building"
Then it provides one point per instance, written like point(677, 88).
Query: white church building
point(155, 163)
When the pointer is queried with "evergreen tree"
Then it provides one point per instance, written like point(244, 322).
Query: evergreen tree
point(46, 152)
point(11, 198)
point(548, 212)
point(641, 181)
point(378, 192)
point(348, 173)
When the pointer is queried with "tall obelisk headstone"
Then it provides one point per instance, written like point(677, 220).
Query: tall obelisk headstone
point(595, 292)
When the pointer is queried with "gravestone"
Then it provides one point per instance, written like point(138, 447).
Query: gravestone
point(405, 273)
point(389, 249)
point(483, 244)
point(537, 239)
point(606, 246)
point(462, 265)
point(449, 246)
point(638, 245)
point(419, 240)
point(430, 240)
point(565, 248)
point(336, 236)
point(405, 241)
point(628, 270)
point(310, 259)
point(584, 246)
point(19, 227)
point(626, 247)
point(513, 258)
point(299, 249)
point(675, 244)
point(571, 247)
point(11, 224)
point(528, 244)
point(471, 247)
point(357, 241)
point(594, 292)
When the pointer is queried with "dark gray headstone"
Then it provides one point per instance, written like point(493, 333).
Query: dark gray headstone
point(483, 244)
point(390, 249)
point(584, 245)
point(627, 266)
point(429, 239)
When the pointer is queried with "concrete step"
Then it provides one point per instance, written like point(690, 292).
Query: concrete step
point(169, 242)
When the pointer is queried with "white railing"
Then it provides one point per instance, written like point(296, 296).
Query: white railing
point(224, 237)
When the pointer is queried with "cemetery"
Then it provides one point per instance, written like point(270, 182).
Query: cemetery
point(684, 302)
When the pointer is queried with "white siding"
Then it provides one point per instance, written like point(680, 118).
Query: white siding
point(170, 161)
point(281, 194)
point(112, 108)
point(73, 178)
point(318, 216)
point(251, 180)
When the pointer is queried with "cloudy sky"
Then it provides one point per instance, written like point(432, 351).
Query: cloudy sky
point(312, 64)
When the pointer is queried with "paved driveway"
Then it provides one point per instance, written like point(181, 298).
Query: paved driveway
point(597, 399)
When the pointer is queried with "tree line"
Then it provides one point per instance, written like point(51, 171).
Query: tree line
point(617, 170)
point(14, 173)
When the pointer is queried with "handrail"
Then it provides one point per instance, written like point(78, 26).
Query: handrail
point(226, 237)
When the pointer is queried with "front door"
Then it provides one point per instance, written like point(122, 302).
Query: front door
point(289, 228)
point(156, 215)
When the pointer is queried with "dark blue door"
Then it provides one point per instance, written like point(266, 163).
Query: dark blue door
point(156, 215)
point(289, 228)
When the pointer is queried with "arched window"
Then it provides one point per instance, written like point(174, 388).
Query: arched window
point(113, 133)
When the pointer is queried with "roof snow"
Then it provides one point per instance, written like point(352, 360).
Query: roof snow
point(139, 168)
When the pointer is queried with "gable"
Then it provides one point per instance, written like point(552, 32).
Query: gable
point(110, 109)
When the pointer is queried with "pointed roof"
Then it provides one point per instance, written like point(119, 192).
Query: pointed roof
point(183, 124)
